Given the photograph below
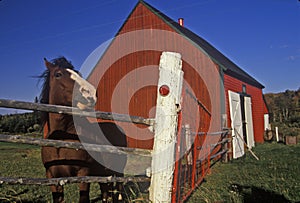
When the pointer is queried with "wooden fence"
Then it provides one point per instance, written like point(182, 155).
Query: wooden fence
point(74, 111)
point(69, 180)
point(73, 145)
point(204, 165)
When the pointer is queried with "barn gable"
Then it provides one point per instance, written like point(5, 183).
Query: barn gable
point(138, 14)
point(208, 88)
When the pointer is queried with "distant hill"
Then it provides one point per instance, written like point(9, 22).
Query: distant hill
point(20, 123)
point(284, 109)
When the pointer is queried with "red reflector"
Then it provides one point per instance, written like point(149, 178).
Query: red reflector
point(164, 90)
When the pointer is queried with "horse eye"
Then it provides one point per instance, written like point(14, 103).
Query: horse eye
point(58, 74)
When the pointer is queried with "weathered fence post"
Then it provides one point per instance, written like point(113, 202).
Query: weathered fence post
point(277, 134)
point(165, 127)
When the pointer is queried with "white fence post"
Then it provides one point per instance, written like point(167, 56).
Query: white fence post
point(165, 127)
point(277, 134)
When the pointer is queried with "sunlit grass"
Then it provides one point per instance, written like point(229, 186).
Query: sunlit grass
point(275, 175)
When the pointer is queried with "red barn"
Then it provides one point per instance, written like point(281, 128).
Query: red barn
point(127, 73)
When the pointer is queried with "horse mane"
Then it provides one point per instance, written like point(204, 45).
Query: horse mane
point(61, 62)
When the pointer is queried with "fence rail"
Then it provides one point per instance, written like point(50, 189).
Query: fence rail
point(69, 180)
point(75, 111)
point(75, 145)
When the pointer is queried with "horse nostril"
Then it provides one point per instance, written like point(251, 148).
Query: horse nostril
point(91, 100)
point(85, 91)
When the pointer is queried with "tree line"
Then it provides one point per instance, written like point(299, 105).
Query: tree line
point(284, 110)
point(20, 123)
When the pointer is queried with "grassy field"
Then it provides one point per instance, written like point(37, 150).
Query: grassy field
point(25, 161)
point(274, 178)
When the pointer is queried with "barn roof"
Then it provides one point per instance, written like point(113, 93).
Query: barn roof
point(229, 67)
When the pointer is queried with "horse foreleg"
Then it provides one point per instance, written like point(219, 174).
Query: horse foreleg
point(84, 189)
point(118, 196)
point(57, 194)
point(111, 193)
point(57, 191)
point(105, 190)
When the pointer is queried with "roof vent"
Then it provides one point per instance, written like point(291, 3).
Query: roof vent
point(180, 21)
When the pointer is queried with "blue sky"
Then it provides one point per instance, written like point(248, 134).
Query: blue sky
point(261, 36)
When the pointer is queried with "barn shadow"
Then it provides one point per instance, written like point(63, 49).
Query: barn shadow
point(253, 194)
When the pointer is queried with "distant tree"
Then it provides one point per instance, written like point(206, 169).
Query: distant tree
point(284, 110)
point(20, 123)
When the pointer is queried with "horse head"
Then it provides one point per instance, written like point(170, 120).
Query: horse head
point(67, 87)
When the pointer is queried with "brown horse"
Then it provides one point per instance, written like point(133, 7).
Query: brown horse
point(64, 86)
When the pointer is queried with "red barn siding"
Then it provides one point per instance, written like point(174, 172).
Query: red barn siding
point(142, 18)
point(258, 104)
point(110, 70)
point(266, 110)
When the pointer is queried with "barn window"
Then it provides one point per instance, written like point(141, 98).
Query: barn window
point(244, 89)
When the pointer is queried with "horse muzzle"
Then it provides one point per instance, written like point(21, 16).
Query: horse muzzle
point(84, 93)
point(83, 102)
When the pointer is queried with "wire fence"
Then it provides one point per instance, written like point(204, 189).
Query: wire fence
point(197, 149)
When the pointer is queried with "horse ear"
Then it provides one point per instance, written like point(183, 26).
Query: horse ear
point(48, 64)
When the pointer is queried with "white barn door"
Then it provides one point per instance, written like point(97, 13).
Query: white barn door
point(249, 122)
point(236, 124)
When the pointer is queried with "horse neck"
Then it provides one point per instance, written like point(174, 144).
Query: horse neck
point(61, 123)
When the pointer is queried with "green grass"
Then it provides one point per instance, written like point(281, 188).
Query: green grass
point(19, 160)
point(275, 175)
point(274, 178)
